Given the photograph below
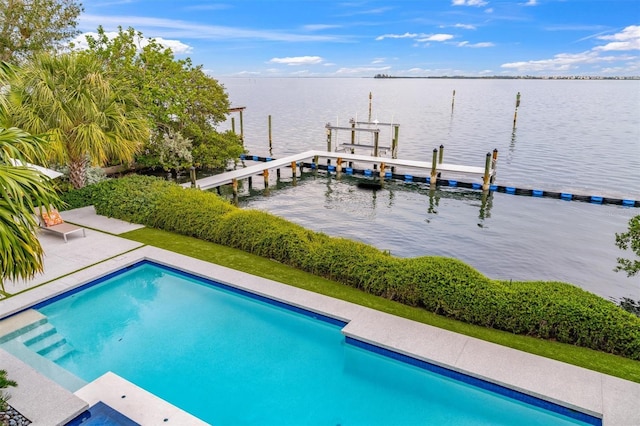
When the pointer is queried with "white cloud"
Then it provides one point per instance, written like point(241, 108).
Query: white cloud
point(465, 26)
point(319, 27)
point(405, 35)
point(378, 61)
point(436, 37)
point(297, 60)
point(477, 3)
point(176, 46)
point(561, 62)
point(628, 39)
point(183, 29)
point(247, 73)
point(475, 45)
point(531, 3)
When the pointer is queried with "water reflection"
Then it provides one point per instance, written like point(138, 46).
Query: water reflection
point(485, 207)
point(334, 193)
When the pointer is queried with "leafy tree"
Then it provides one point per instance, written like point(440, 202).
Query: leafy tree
point(630, 240)
point(21, 190)
point(178, 97)
point(30, 26)
point(87, 118)
point(172, 152)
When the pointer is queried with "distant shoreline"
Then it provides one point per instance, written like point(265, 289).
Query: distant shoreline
point(518, 77)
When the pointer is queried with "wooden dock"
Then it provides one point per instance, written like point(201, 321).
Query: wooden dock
point(293, 161)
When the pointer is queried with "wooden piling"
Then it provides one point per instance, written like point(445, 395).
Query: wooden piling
point(265, 173)
point(370, 98)
point(441, 154)
point(353, 134)
point(270, 140)
point(434, 171)
point(234, 187)
point(494, 161)
point(515, 114)
point(233, 122)
point(376, 138)
point(487, 168)
point(394, 143)
point(453, 100)
point(192, 175)
point(339, 165)
point(328, 141)
point(382, 167)
point(293, 168)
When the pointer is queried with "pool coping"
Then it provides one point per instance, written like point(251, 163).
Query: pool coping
point(612, 399)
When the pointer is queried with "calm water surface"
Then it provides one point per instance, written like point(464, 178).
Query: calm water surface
point(580, 137)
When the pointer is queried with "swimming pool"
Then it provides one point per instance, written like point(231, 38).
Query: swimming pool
point(232, 358)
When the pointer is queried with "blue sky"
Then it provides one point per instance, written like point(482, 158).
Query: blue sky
point(361, 38)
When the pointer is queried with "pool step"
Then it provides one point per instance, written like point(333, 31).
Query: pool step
point(45, 340)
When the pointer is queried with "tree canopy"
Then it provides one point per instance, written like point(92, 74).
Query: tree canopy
point(630, 240)
point(86, 116)
point(31, 26)
point(182, 102)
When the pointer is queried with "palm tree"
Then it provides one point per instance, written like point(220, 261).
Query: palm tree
point(21, 191)
point(70, 99)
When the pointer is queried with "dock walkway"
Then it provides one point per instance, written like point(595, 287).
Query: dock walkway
point(256, 169)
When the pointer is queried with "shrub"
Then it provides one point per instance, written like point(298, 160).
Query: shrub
point(76, 198)
point(4, 383)
point(449, 287)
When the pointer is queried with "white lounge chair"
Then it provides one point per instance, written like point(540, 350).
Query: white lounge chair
point(51, 221)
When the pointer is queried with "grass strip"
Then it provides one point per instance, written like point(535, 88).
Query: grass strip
point(236, 259)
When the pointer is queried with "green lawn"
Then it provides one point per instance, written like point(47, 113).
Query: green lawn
point(242, 261)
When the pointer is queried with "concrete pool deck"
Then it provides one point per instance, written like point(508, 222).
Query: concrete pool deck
point(613, 399)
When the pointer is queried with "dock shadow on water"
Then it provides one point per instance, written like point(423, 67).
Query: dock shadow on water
point(504, 236)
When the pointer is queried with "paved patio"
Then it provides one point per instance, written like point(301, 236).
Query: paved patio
point(615, 400)
point(62, 258)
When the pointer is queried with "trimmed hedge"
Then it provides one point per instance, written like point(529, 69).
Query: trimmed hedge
point(549, 310)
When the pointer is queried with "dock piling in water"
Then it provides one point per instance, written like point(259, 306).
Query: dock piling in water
point(487, 169)
point(434, 171)
point(328, 126)
point(270, 139)
point(441, 154)
point(515, 114)
point(453, 100)
point(394, 141)
point(494, 163)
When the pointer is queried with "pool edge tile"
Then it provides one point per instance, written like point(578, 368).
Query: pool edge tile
point(138, 404)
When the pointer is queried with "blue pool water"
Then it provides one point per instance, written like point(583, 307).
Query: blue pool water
point(232, 359)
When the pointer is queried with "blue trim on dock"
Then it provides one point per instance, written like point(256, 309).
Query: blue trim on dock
point(512, 190)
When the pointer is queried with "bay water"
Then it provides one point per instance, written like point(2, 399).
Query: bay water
point(574, 136)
